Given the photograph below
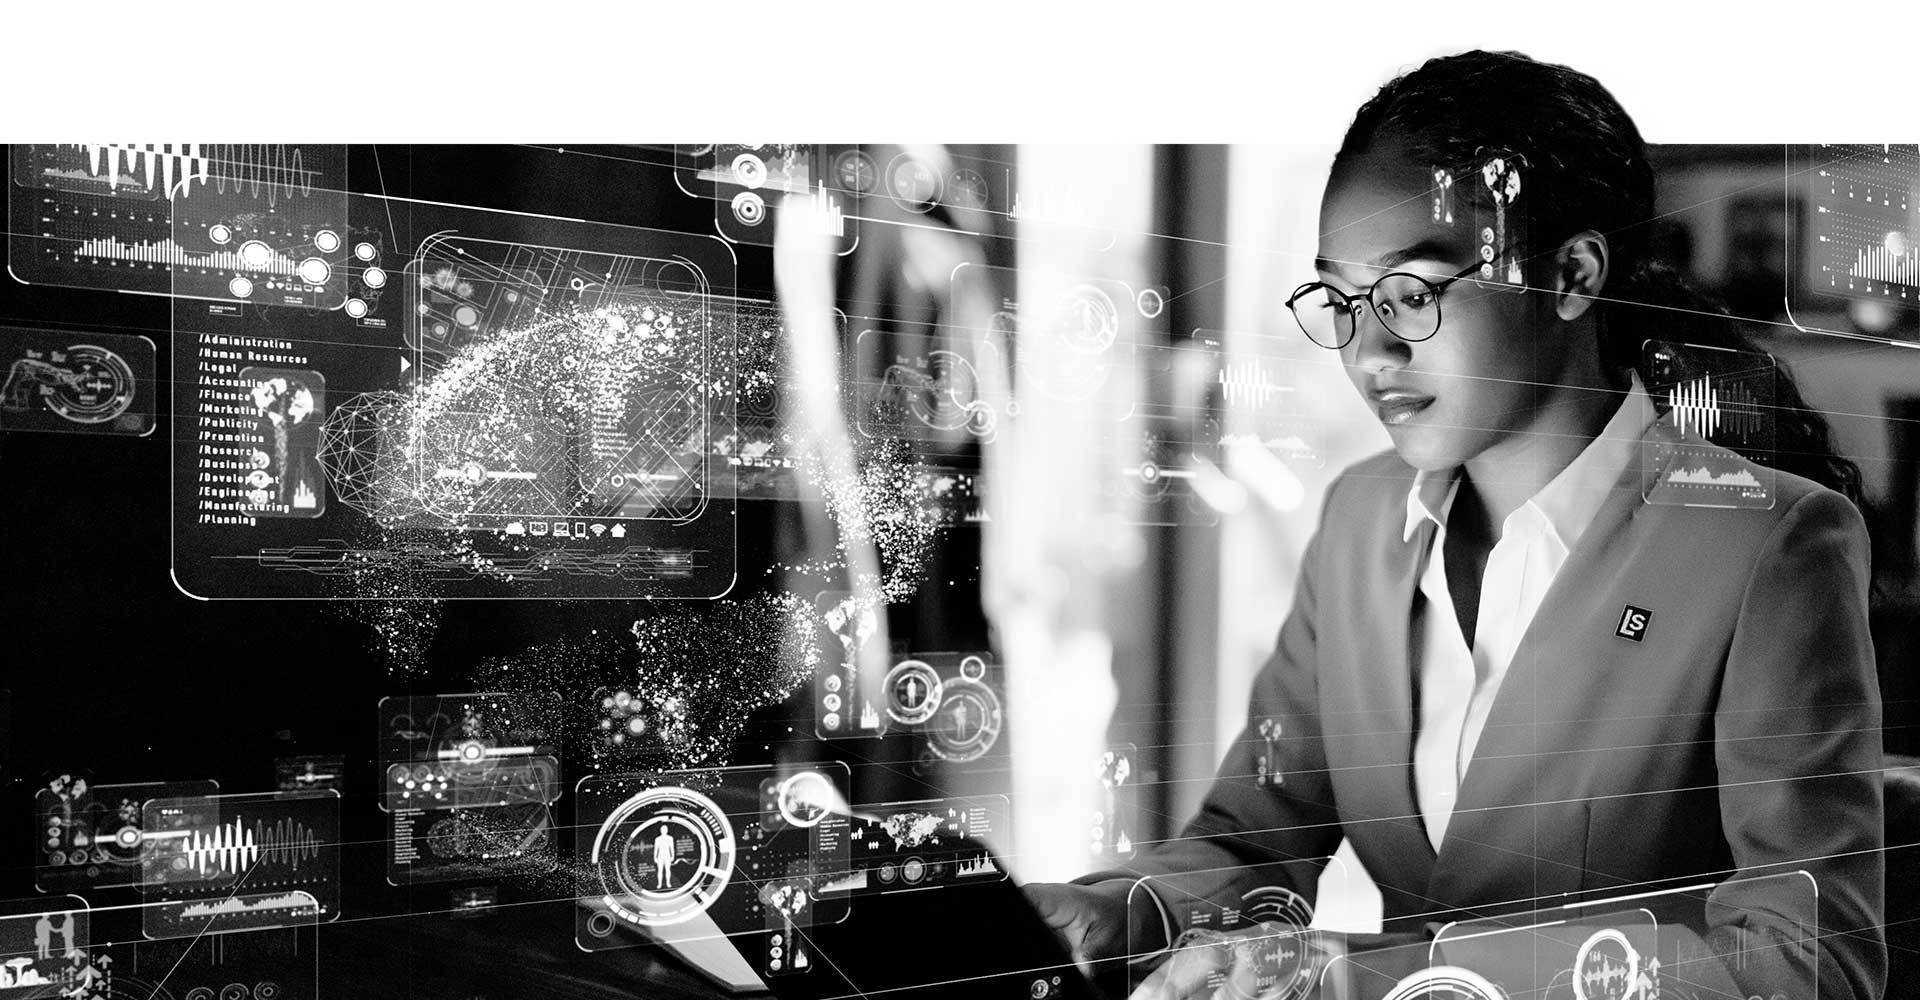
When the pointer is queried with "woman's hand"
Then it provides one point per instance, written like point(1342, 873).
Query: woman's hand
point(1266, 960)
point(1096, 921)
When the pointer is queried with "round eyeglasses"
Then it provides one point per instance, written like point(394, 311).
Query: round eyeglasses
point(1407, 304)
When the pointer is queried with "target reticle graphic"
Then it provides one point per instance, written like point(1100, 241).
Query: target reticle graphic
point(664, 856)
point(968, 722)
point(856, 171)
point(948, 398)
point(96, 386)
point(913, 692)
point(1281, 951)
point(1086, 319)
point(913, 184)
point(1276, 904)
point(967, 189)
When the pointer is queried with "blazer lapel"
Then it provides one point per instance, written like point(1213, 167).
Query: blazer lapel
point(1491, 829)
point(1380, 744)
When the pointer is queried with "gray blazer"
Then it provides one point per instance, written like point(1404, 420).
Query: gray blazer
point(1738, 736)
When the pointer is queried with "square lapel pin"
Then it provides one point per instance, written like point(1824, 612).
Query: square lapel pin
point(1633, 623)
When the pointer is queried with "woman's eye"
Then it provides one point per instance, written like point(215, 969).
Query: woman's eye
point(1417, 300)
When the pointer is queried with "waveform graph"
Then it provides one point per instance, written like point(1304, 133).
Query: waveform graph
point(1247, 384)
point(150, 171)
point(1715, 443)
point(259, 223)
point(1711, 410)
point(221, 863)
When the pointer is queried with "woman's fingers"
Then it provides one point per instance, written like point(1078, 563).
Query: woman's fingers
point(1189, 973)
point(1071, 911)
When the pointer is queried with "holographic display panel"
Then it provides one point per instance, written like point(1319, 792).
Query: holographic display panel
point(507, 406)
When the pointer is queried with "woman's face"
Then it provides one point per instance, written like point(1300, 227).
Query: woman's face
point(1481, 379)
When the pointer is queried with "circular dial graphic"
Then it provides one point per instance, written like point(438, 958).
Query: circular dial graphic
point(1445, 982)
point(913, 692)
point(856, 171)
point(1607, 967)
point(1086, 320)
point(967, 189)
point(805, 798)
point(968, 722)
point(95, 386)
point(945, 397)
point(664, 856)
point(913, 185)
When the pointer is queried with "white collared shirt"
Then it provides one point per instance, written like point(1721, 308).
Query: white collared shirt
point(1457, 684)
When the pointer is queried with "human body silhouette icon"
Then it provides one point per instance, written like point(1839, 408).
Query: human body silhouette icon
point(663, 859)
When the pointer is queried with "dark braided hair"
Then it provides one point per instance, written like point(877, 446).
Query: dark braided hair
point(1587, 168)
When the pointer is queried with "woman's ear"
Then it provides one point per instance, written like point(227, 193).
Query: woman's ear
point(1580, 273)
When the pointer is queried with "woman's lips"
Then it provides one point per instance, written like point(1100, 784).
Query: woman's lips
point(1399, 407)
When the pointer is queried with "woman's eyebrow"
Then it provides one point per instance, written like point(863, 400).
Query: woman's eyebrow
point(1423, 250)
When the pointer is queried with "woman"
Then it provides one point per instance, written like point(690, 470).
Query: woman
point(1518, 672)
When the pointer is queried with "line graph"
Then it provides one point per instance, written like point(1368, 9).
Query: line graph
point(240, 905)
point(174, 170)
point(1702, 475)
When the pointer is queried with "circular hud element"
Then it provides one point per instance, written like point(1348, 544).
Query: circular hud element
point(1446, 982)
point(805, 798)
point(98, 388)
point(913, 692)
point(968, 723)
point(1607, 967)
point(664, 856)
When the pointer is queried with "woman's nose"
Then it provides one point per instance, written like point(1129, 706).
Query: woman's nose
point(1373, 344)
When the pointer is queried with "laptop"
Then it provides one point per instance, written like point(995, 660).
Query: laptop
point(969, 940)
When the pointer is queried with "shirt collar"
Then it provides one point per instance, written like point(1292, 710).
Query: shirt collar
point(1568, 502)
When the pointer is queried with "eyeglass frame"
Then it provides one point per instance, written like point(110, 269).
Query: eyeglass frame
point(1366, 295)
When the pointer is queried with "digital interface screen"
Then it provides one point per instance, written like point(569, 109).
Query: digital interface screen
point(1866, 218)
point(246, 222)
point(699, 569)
point(534, 417)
